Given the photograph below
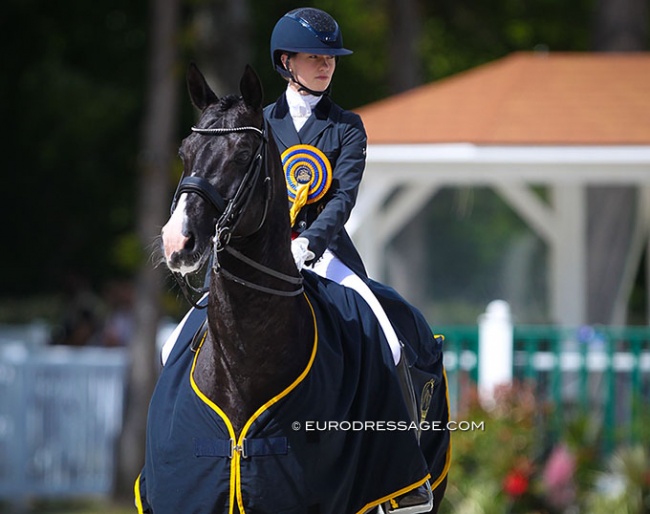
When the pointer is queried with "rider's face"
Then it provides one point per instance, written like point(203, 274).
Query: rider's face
point(314, 71)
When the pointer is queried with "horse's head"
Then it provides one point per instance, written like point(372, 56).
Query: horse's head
point(223, 188)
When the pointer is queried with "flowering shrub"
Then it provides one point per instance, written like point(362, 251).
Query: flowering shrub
point(514, 465)
point(515, 484)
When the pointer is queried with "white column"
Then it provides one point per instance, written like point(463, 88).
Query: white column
point(363, 223)
point(568, 265)
point(495, 349)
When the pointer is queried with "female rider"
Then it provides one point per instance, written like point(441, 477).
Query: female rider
point(306, 44)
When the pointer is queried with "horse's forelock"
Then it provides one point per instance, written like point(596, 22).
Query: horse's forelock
point(228, 102)
point(228, 109)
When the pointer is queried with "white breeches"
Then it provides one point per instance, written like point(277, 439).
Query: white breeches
point(329, 266)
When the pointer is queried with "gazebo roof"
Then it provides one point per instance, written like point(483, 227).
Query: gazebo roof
point(524, 99)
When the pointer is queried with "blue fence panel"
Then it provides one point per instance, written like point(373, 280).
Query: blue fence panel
point(60, 416)
point(12, 420)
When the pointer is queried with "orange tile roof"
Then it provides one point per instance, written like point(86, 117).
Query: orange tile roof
point(525, 98)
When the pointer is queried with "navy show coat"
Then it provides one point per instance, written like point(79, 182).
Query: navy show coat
point(341, 136)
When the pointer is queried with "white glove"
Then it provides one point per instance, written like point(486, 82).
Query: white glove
point(301, 252)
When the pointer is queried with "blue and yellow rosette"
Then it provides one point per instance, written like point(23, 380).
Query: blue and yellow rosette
point(308, 173)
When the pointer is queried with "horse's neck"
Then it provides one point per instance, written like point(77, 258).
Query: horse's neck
point(258, 342)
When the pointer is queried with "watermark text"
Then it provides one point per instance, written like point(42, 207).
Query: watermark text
point(388, 426)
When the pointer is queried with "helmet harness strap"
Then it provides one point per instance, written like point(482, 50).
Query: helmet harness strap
point(302, 86)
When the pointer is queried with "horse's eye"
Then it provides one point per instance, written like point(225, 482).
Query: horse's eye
point(243, 157)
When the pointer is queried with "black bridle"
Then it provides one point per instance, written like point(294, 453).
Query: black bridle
point(230, 212)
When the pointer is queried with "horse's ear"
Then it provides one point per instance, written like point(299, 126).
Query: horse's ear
point(200, 93)
point(251, 88)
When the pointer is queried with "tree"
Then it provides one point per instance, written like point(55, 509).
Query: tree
point(404, 56)
point(620, 26)
point(71, 88)
point(158, 139)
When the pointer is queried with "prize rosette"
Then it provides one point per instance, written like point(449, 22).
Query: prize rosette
point(308, 174)
point(306, 165)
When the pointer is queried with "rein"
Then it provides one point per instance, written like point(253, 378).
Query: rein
point(230, 212)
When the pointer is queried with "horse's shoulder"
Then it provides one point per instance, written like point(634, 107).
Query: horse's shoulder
point(339, 306)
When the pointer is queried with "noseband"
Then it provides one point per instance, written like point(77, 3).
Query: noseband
point(230, 212)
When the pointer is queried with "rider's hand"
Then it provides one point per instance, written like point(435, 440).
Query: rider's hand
point(301, 252)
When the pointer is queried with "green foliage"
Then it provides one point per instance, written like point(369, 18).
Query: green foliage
point(459, 35)
point(74, 84)
point(482, 460)
point(624, 486)
point(72, 88)
point(515, 465)
point(477, 249)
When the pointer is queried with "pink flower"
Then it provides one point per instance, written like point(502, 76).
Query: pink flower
point(558, 477)
point(559, 468)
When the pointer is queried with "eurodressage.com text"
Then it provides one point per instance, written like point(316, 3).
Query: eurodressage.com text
point(388, 426)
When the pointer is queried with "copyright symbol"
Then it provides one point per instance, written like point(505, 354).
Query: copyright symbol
point(295, 425)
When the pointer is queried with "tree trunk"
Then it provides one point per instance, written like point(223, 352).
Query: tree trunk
point(405, 66)
point(155, 162)
point(404, 57)
point(621, 26)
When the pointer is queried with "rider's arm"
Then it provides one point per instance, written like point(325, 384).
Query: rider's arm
point(346, 178)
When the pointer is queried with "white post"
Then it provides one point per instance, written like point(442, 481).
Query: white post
point(495, 349)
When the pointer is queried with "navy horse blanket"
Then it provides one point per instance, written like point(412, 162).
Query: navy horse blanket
point(338, 440)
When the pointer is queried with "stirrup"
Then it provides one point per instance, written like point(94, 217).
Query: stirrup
point(420, 508)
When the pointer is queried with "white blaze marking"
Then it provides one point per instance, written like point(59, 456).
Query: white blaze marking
point(172, 232)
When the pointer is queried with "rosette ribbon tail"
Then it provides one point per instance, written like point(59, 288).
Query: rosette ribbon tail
point(301, 199)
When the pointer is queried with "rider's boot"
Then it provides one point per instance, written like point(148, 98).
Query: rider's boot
point(418, 500)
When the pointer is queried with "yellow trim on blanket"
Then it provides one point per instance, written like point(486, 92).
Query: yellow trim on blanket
point(445, 470)
point(435, 484)
point(235, 469)
point(390, 496)
point(222, 415)
point(138, 498)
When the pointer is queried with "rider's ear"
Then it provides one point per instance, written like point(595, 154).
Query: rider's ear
point(251, 88)
point(200, 93)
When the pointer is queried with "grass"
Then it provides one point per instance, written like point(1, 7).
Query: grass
point(69, 507)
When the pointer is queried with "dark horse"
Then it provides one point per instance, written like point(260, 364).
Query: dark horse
point(286, 399)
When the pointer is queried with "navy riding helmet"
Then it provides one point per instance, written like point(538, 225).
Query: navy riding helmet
point(306, 30)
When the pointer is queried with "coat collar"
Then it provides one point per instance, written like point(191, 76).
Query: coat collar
point(283, 127)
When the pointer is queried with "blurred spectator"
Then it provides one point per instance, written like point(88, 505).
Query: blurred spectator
point(83, 314)
point(118, 328)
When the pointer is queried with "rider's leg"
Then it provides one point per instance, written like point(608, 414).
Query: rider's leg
point(329, 266)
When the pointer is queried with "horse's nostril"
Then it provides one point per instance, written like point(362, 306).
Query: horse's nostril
point(190, 242)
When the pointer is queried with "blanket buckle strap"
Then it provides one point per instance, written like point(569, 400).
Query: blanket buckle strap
point(239, 448)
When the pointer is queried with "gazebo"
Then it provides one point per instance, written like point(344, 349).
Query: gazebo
point(564, 121)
